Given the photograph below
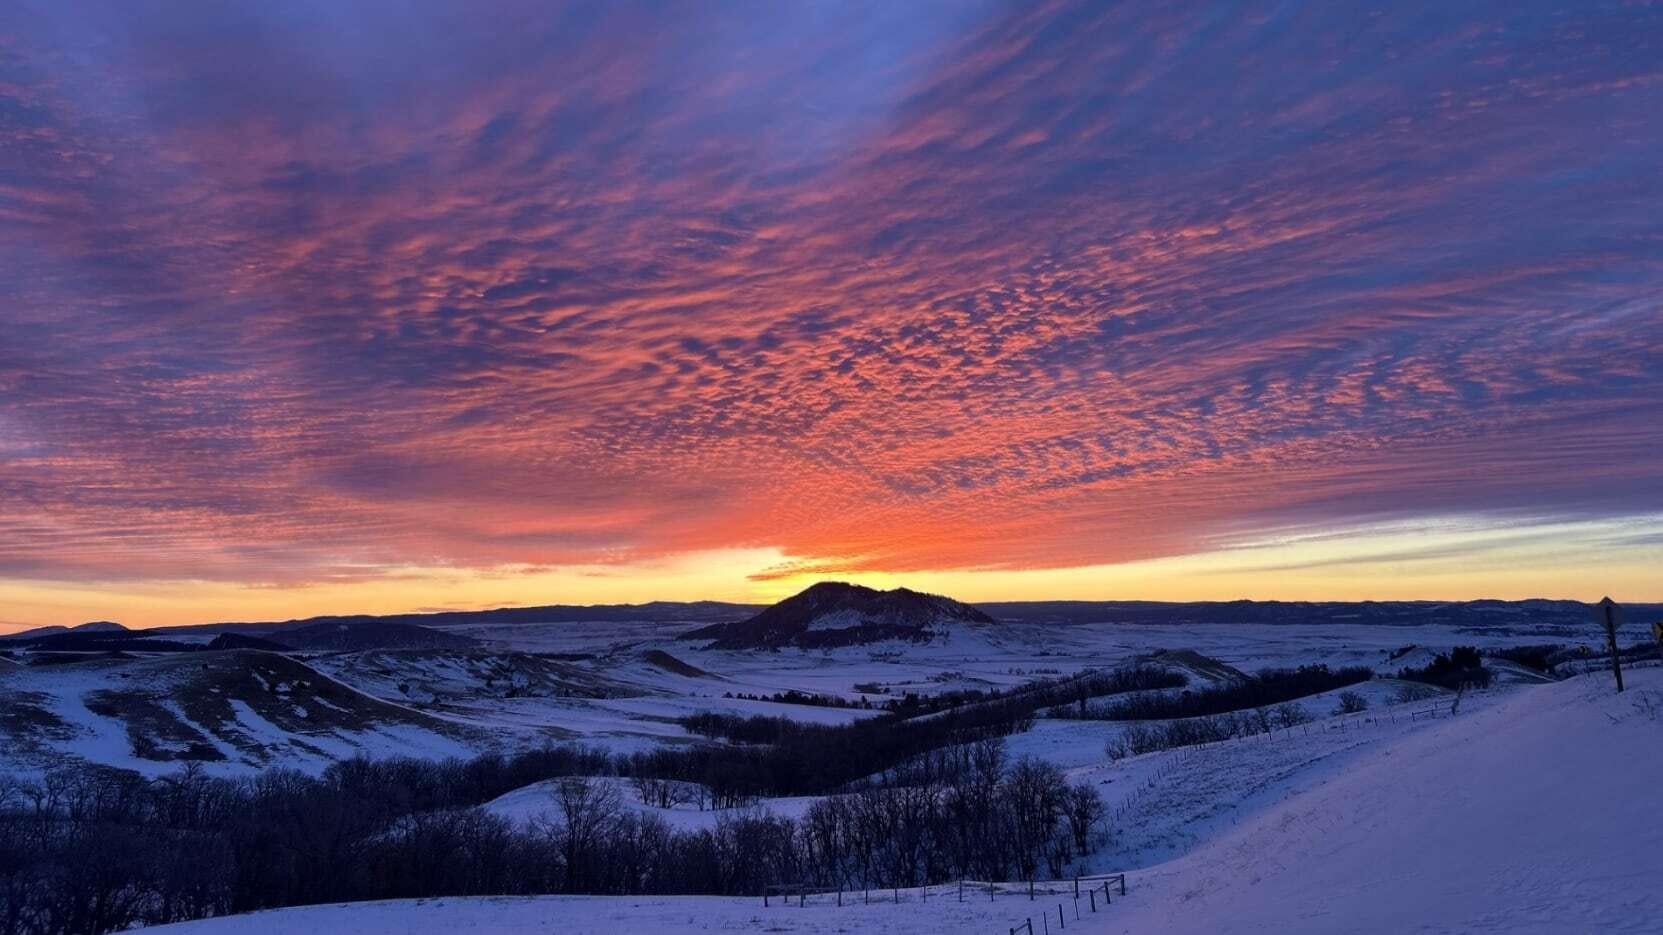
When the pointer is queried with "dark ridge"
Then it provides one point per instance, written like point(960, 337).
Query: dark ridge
point(244, 641)
point(74, 641)
point(372, 634)
point(1491, 615)
point(834, 613)
point(669, 663)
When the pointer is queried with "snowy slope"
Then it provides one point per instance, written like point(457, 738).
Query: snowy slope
point(629, 915)
point(539, 801)
point(1533, 813)
point(1536, 814)
point(233, 712)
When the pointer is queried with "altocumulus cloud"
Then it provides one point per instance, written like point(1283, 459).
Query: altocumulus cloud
point(299, 290)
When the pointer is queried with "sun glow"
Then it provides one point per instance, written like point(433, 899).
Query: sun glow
point(1450, 558)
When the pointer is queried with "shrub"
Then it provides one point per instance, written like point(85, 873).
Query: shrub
point(1461, 667)
point(1290, 715)
point(1351, 703)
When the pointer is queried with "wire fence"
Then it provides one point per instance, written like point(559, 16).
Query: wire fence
point(957, 890)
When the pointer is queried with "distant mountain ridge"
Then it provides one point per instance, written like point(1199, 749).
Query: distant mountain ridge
point(92, 626)
point(689, 611)
point(1478, 613)
point(371, 634)
point(1487, 614)
point(833, 613)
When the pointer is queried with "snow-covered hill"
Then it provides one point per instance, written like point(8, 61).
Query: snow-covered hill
point(1535, 813)
point(833, 613)
point(234, 712)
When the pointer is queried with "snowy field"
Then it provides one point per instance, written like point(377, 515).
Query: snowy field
point(1531, 811)
point(618, 686)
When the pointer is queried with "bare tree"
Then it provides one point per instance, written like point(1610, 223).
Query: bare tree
point(1351, 703)
point(1083, 808)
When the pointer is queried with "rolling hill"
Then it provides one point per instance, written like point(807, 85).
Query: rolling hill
point(833, 613)
point(233, 712)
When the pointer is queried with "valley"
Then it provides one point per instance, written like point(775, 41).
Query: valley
point(1176, 734)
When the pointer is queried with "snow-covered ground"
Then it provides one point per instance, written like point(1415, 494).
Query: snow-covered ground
point(623, 687)
point(1538, 813)
point(631, 915)
point(233, 713)
point(528, 805)
point(1532, 810)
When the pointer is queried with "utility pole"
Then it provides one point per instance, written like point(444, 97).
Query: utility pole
point(1610, 616)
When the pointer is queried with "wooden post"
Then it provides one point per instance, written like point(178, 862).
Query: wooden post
point(961, 891)
point(765, 897)
point(1045, 923)
point(1609, 612)
point(1076, 886)
point(1106, 900)
point(1123, 884)
point(1061, 922)
point(1030, 889)
point(1093, 900)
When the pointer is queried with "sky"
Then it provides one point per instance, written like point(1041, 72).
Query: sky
point(322, 307)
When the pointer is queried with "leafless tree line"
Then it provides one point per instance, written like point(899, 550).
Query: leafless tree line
point(96, 850)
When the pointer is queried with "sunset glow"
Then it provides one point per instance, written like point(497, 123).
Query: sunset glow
point(334, 308)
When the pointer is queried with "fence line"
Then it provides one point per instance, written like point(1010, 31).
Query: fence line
point(1033, 888)
point(1104, 883)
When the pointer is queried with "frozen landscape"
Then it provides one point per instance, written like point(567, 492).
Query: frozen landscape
point(961, 467)
point(1372, 800)
point(1529, 813)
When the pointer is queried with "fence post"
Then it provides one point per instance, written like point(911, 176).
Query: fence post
point(765, 897)
point(1045, 923)
point(1061, 922)
point(1106, 900)
point(1123, 884)
point(961, 891)
point(1076, 886)
point(1030, 889)
point(1093, 900)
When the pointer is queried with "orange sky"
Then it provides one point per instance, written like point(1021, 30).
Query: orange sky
point(336, 307)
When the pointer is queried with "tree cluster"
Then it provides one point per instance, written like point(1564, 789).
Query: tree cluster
point(1149, 737)
point(95, 850)
point(1538, 658)
point(1461, 667)
point(1267, 688)
point(774, 756)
